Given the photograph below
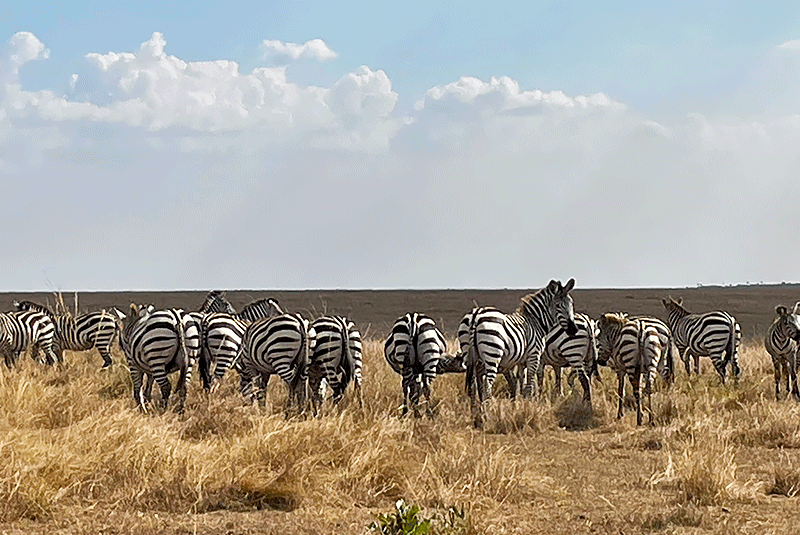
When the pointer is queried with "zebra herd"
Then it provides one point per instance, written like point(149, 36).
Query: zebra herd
point(311, 356)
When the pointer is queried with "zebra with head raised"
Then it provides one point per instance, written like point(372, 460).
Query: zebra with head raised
point(578, 352)
point(633, 348)
point(157, 343)
point(499, 341)
point(714, 334)
point(782, 343)
point(336, 358)
point(222, 330)
point(416, 350)
point(21, 329)
point(279, 345)
point(81, 333)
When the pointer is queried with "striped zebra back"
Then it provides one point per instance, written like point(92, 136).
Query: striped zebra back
point(415, 342)
point(577, 352)
point(715, 334)
point(27, 328)
point(262, 308)
point(280, 344)
point(336, 355)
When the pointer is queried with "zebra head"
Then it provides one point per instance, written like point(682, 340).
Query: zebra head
point(674, 308)
point(608, 326)
point(451, 364)
point(788, 322)
point(561, 306)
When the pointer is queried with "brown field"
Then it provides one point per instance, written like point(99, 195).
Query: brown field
point(77, 457)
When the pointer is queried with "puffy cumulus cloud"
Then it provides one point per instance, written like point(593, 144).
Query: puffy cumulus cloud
point(315, 48)
point(25, 47)
point(156, 91)
point(472, 113)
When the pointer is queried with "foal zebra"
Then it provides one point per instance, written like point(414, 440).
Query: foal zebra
point(21, 329)
point(499, 341)
point(579, 352)
point(634, 349)
point(336, 358)
point(416, 350)
point(156, 343)
point(82, 333)
point(713, 334)
point(280, 345)
point(782, 343)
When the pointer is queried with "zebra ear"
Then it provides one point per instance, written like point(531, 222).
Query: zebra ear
point(780, 310)
point(680, 301)
point(796, 305)
point(569, 285)
point(117, 312)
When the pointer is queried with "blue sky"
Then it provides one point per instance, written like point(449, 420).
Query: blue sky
point(435, 144)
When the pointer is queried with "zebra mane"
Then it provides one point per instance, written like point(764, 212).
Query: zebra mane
point(216, 301)
point(260, 309)
point(30, 305)
point(527, 304)
point(614, 317)
point(675, 304)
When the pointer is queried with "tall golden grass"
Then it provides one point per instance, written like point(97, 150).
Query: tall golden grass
point(73, 446)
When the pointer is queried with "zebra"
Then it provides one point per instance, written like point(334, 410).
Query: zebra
point(515, 376)
point(156, 343)
point(499, 341)
point(579, 352)
point(82, 333)
point(782, 342)
point(416, 350)
point(634, 348)
point(21, 329)
point(336, 358)
point(222, 330)
point(713, 334)
point(279, 345)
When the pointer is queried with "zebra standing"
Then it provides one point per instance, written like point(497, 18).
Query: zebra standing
point(499, 341)
point(634, 349)
point(515, 376)
point(21, 329)
point(155, 344)
point(416, 349)
point(579, 352)
point(667, 364)
point(222, 330)
point(336, 358)
point(782, 342)
point(713, 334)
point(82, 333)
point(279, 345)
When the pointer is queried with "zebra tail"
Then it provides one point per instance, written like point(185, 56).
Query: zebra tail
point(730, 357)
point(472, 359)
point(184, 370)
point(347, 362)
point(301, 362)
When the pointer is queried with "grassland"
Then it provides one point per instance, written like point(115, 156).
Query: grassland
point(76, 457)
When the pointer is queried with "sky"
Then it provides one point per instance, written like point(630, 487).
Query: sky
point(300, 145)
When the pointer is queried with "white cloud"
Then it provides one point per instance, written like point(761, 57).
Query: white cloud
point(315, 48)
point(793, 44)
point(282, 184)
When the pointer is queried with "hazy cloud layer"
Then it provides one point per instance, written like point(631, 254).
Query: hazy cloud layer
point(163, 173)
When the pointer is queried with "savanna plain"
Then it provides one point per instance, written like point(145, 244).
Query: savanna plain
point(76, 456)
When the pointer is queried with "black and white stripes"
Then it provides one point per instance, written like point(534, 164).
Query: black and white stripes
point(81, 333)
point(21, 329)
point(416, 350)
point(335, 358)
point(713, 334)
point(499, 341)
point(782, 342)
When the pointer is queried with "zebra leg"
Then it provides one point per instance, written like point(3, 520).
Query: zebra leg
point(635, 378)
point(410, 393)
point(793, 374)
point(315, 385)
point(620, 392)
point(511, 379)
point(161, 378)
point(136, 379)
point(776, 365)
point(105, 353)
point(557, 385)
point(648, 391)
point(261, 390)
point(584, 379)
point(696, 363)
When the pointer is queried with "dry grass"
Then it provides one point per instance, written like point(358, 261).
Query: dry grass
point(75, 457)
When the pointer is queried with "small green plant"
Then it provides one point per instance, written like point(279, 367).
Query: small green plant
point(404, 520)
